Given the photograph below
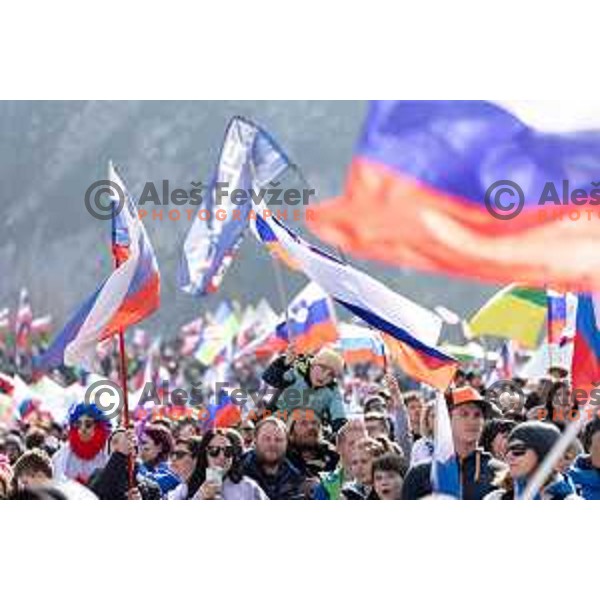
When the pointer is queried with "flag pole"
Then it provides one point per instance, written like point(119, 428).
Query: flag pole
point(122, 356)
point(545, 469)
point(282, 296)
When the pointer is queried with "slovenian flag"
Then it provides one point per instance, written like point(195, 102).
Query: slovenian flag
point(409, 330)
point(310, 322)
point(127, 296)
point(427, 175)
point(249, 160)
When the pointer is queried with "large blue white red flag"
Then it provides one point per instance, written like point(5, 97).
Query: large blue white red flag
point(409, 331)
point(498, 191)
point(249, 160)
point(128, 295)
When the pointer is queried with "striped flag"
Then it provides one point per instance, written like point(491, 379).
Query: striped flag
point(127, 296)
point(249, 160)
point(360, 345)
point(473, 189)
point(310, 323)
point(409, 330)
point(586, 352)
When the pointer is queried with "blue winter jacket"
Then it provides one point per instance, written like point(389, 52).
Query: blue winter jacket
point(586, 477)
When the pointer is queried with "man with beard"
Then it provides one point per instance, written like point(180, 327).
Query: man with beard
point(267, 463)
point(85, 450)
point(307, 450)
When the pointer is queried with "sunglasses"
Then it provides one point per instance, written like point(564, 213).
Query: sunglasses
point(214, 451)
point(179, 454)
point(517, 450)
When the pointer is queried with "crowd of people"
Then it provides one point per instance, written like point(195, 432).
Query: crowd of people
point(326, 431)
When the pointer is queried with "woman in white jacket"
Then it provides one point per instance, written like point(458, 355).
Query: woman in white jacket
point(217, 469)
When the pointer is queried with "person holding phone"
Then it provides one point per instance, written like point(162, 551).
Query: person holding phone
point(217, 472)
point(528, 445)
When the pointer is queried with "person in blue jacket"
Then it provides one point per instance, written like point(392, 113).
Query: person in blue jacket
point(156, 445)
point(585, 472)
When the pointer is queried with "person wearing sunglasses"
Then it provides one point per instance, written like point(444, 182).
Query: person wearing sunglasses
point(183, 462)
point(86, 449)
point(217, 469)
point(528, 444)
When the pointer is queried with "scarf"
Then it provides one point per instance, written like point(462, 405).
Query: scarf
point(89, 449)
